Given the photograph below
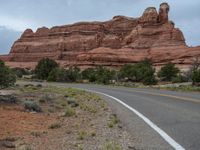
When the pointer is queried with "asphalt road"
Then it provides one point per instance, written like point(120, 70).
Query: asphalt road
point(176, 113)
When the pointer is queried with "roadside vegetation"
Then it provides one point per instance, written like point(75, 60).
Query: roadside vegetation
point(7, 76)
point(133, 75)
point(48, 117)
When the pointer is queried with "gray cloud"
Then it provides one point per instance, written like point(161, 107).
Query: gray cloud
point(7, 37)
point(21, 14)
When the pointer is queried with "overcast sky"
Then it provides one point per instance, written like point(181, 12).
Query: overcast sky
point(17, 15)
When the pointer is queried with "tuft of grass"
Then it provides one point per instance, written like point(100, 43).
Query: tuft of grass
point(30, 88)
point(183, 88)
point(112, 146)
point(46, 98)
point(81, 135)
point(55, 126)
point(36, 134)
point(93, 134)
point(89, 108)
point(80, 147)
point(113, 121)
point(69, 112)
point(72, 102)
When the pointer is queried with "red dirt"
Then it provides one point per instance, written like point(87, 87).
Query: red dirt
point(17, 123)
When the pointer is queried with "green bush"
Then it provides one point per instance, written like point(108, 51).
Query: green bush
point(7, 76)
point(128, 71)
point(20, 72)
point(103, 75)
point(196, 77)
point(140, 72)
point(32, 106)
point(44, 67)
point(99, 75)
point(57, 75)
point(73, 74)
point(168, 72)
point(180, 79)
point(69, 112)
point(89, 74)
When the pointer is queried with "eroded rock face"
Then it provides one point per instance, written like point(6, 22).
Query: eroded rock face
point(112, 43)
point(150, 16)
point(163, 12)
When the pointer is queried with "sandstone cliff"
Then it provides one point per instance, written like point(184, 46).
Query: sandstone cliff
point(112, 43)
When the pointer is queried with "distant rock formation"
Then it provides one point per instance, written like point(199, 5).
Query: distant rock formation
point(111, 43)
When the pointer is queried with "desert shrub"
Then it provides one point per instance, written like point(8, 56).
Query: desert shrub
point(140, 72)
point(7, 76)
point(72, 102)
point(32, 106)
point(179, 79)
point(103, 75)
point(44, 67)
point(112, 146)
point(196, 77)
point(69, 112)
point(81, 135)
point(99, 75)
point(20, 72)
point(128, 71)
point(113, 121)
point(47, 98)
point(55, 126)
point(72, 74)
point(89, 74)
point(168, 72)
point(10, 99)
point(57, 74)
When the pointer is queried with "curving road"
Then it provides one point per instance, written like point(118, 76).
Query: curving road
point(176, 113)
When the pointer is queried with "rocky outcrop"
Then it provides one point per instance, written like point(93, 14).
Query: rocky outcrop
point(111, 43)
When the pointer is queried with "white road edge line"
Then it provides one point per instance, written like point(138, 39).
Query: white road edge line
point(162, 133)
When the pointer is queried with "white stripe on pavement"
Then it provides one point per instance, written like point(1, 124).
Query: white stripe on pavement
point(162, 133)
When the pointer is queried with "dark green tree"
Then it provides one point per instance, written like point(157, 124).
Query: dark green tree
point(44, 67)
point(21, 71)
point(73, 74)
point(7, 76)
point(103, 75)
point(128, 71)
point(89, 74)
point(99, 75)
point(196, 77)
point(57, 75)
point(140, 72)
point(168, 72)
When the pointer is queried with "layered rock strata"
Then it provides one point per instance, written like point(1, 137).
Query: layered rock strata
point(112, 43)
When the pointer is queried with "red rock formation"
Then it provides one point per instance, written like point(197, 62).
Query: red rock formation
point(112, 43)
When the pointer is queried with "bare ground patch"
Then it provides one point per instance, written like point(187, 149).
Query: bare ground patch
point(68, 119)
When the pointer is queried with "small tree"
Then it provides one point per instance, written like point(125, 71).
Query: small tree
point(128, 71)
point(44, 67)
point(168, 72)
point(7, 77)
point(57, 75)
point(103, 75)
point(99, 74)
point(72, 74)
point(196, 77)
point(89, 74)
point(21, 71)
point(140, 72)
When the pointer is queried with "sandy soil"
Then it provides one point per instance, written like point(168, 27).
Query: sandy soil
point(88, 125)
